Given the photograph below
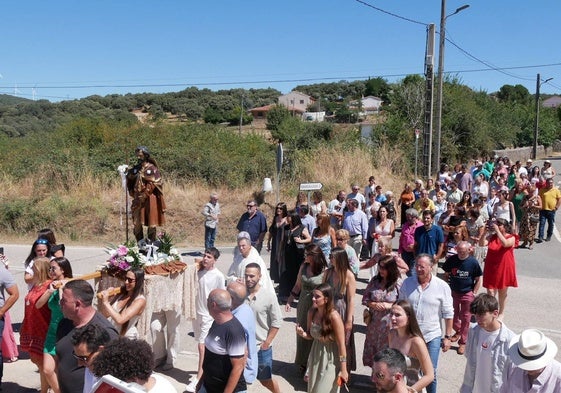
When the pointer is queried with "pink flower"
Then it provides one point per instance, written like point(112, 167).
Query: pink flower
point(123, 265)
point(122, 251)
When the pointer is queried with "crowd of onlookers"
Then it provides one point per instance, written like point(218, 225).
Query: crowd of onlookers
point(467, 221)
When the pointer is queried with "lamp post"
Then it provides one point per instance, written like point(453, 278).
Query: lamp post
point(537, 121)
point(438, 121)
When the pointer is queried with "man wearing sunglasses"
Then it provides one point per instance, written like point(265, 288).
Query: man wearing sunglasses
point(88, 342)
point(388, 372)
point(255, 223)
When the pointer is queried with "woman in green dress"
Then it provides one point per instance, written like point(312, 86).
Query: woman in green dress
point(327, 369)
point(60, 271)
point(309, 277)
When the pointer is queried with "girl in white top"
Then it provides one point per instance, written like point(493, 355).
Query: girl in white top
point(125, 308)
point(318, 204)
point(504, 208)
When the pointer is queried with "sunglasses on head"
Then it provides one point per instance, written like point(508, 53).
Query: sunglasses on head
point(42, 241)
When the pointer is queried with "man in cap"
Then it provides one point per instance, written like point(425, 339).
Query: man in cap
point(533, 368)
point(144, 184)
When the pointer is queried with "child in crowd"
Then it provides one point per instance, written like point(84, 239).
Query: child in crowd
point(487, 348)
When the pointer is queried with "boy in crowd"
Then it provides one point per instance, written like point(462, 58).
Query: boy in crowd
point(209, 278)
point(487, 348)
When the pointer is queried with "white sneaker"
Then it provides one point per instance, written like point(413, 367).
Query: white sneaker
point(192, 386)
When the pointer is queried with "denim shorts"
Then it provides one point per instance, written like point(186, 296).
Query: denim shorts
point(265, 364)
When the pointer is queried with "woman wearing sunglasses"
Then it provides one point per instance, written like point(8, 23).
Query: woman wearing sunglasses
point(124, 309)
point(40, 248)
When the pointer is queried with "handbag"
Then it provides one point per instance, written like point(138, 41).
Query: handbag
point(534, 217)
point(366, 316)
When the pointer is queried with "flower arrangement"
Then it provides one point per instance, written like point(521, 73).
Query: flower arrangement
point(126, 257)
point(142, 255)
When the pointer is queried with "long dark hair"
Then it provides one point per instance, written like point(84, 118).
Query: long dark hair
point(64, 265)
point(137, 290)
point(318, 262)
point(390, 264)
point(295, 219)
point(413, 328)
point(326, 332)
point(339, 266)
point(32, 253)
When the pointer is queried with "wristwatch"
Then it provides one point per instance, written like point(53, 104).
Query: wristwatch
point(447, 336)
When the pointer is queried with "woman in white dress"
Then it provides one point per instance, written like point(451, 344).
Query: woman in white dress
point(125, 308)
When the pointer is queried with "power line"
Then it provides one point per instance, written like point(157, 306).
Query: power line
point(392, 14)
point(271, 81)
point(465, 52)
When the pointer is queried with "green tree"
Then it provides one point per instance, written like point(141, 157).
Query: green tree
point(514, 94)
point(276, 115)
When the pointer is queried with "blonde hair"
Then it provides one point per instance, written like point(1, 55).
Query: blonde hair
point(41, 268)
point(343, 234)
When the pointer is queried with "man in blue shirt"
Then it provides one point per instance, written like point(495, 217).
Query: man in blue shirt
point(356, 222)
point(429, 239)
point(255, 223)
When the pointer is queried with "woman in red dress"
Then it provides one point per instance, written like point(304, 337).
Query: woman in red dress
point(36, 320)
point(500, 267)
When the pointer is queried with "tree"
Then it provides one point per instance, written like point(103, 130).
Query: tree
point(378, 87)
point(515, 94)
point(276, 115)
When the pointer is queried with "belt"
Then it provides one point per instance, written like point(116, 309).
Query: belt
point(358, 234)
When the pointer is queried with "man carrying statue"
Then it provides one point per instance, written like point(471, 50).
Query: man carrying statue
point(144, 184)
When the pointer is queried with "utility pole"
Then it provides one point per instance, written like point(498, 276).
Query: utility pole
point(429, 94)
point(438, 120)
point(537, 120)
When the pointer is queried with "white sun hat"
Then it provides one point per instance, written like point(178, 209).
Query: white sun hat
point(532, 350)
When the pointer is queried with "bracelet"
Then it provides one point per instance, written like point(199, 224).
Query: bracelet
point(447, 336)
point(343, 359)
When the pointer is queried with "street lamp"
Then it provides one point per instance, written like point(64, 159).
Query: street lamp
point(438, 122)
point(537, 122)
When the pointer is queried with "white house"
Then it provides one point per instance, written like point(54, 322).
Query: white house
point(296, 101)
point(552, 102)
point(371, 105)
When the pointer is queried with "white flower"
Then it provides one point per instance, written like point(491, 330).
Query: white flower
point(129, 259)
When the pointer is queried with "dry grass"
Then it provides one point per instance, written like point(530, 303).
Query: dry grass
point(94, 212)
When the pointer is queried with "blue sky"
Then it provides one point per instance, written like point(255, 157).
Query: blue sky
point(71, 49)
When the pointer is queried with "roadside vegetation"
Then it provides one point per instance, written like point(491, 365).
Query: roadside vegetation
point(59, 161)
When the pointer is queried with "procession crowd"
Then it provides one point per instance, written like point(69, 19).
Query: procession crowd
point(467, 221)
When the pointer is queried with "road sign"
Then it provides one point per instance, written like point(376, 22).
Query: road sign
point(310, 186)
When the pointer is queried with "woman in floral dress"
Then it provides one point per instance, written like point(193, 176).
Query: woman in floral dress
point(382, 291)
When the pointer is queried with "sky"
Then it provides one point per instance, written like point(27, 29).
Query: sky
point(63, 49)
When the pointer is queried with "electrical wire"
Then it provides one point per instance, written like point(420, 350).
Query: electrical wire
point(391, 13)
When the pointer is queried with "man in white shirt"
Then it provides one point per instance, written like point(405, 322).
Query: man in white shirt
point(431, 298)
point(336, 208)
point(209, 278)
point(533, 368)
point(268, 320)
point(244, 255)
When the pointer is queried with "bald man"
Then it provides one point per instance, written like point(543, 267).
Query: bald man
point(243, 313)
point(225, 347)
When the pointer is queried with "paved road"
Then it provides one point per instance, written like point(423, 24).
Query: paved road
point(533, 304)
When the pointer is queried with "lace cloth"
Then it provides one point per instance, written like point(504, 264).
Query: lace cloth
point(175, 291)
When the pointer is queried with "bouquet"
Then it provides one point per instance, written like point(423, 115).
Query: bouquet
point(125, 257)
